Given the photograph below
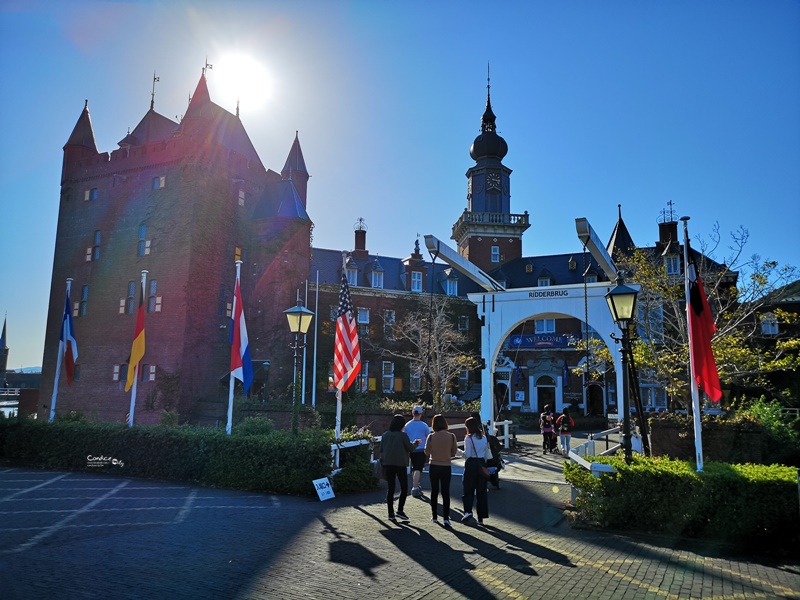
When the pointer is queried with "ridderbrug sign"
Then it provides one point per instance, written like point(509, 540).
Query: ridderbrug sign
point(549, 293)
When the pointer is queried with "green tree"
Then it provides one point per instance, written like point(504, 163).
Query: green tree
point(739, 289)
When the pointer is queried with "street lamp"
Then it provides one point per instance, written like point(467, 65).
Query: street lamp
point(622, 303)
point(299, 319)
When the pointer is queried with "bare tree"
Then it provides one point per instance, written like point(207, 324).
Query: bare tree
point(430, 340)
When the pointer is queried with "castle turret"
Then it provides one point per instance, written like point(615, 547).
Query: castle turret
point(295, 169)
point(81, 144)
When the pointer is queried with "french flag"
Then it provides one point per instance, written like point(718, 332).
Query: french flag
point(68, 342)
point(241, 365)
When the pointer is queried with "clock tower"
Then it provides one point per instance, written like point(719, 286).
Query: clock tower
point(487, 234)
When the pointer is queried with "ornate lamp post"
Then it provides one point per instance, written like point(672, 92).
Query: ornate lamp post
point(622, 303)
point(299, 319)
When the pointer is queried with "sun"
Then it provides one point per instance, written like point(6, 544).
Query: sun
point(240, 78)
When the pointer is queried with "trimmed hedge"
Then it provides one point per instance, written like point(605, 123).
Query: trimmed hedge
point(742, 504)
point(276, 462)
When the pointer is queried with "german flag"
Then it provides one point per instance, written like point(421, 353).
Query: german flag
point(137, 349)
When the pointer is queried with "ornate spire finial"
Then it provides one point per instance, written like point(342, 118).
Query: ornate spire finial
point(619, 211)
point(153, 93)
point(488, 80)
point(86, 104)
point(207, 66)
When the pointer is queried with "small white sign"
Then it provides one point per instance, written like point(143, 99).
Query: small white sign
point(324, 488)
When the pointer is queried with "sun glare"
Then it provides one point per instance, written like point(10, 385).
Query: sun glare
point(239, 77)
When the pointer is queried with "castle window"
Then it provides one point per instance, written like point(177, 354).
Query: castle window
point(377, 279)
point(363, 322)
point(147, 372)
point(90, 195)
point(96, 247)
point(545, 325)
point(416, 281)
point(159, 182)
point(115, 374)
point(672, 264)
point(143, 247)
point(769, 325)
point(416, 377)
point(352, 277)
point(451, 287)
point(543, 281)
point(153, 301)
point(242, 197)
point(591, 279)
point(387, 376)
point(126, 304)
point(84, 301)
point(224, 307)
point(388, 324)
point(123, 376)
point(495, 254)
point(362, 379)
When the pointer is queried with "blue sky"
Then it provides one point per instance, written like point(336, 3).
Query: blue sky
point(601, 103)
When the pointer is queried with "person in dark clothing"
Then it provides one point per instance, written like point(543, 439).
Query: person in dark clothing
point(395, 448)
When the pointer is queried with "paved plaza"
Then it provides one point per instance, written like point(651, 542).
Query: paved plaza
point(96, 535)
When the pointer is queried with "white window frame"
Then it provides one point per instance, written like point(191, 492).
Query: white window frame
point(495, 254)
point(363, 315)
point(242, 197)
point(543, 282)
point(352, 277)
point(387, 376)
point(672, 264)
point(377, 279)
point(160, 182)
point(591, 279)
point(416, 281)
point(415, 381)
point(769, 325)
point(545, 325)
point(362, 379)
point(451, 287)
point(389, 318)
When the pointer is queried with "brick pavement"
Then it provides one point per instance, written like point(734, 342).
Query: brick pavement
point(79, 535)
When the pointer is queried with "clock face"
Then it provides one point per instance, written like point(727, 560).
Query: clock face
point(493, 181)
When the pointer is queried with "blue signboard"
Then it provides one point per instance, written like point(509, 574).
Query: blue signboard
point(541, 340)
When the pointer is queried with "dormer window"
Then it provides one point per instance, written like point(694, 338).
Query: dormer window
point(377, 279)
point(451, 287)
point(769, 324)
point(672, 264)
point(543, 281)
point(352, 277)
point(416, 281)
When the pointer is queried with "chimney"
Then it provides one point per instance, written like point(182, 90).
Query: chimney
point(360, 249)
point(667, 233)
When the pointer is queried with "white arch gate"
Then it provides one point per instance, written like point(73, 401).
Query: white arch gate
point(500, 312)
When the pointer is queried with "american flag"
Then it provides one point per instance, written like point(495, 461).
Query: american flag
point(346, 350)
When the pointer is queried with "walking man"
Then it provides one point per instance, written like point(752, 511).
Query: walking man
point(417, 429)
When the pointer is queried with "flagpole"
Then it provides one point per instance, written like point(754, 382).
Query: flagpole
point(305, 348)
point(316, 329)
point(60, 358)
point(338, 430)
point(698, 438)
point(136, 369)
point(229, 425)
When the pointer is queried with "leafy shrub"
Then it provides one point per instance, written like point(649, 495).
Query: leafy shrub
point(259, 425)
point(744, 504)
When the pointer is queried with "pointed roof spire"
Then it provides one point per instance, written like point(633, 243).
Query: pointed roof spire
point(201, 95)
point(488, 119)
point(83, 133)
point(295, 163)
point(621, 240)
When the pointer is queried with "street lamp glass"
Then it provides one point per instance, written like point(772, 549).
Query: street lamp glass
point(622, 303)
point(299, 318)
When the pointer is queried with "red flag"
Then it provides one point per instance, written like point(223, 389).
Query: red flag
point(701, 328)
point(346, 349)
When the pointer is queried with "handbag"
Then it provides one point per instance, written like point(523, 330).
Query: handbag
point(483, 470)
point(378, 470)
